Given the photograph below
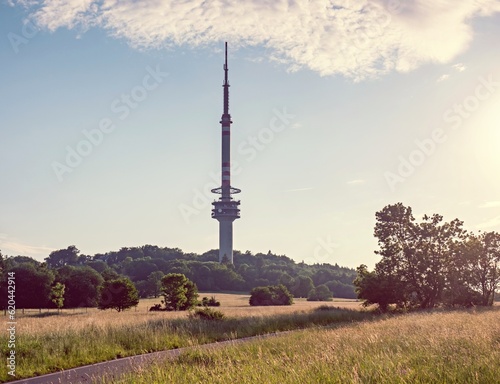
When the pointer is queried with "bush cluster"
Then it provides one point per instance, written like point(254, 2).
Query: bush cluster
point(212, 302)
point(271, 295)
point(207, 314)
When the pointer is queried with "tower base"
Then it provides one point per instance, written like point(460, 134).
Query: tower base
point(226, 241)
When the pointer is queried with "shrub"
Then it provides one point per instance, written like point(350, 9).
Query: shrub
point(271, 295)
point(156, 307)
point(212, 302)
point(322, 308)
point(207, 314)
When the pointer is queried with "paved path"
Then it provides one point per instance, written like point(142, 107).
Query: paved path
point(115, 368)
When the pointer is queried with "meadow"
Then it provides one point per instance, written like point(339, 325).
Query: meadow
point(48, 341)
point(434, 347)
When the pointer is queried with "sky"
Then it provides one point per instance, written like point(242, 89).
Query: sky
point(110, 110)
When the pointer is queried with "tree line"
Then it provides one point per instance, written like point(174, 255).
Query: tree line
point(69, 279)
point(429, 263)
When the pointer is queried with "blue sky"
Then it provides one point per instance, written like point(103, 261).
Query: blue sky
point(110, 134)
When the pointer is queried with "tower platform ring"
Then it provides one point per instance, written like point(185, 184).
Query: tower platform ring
point(232, 190)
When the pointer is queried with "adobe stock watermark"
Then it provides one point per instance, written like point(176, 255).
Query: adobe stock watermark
point(28, 31)
point(249, 148)
point(324, 249)
point(121, 107)
point(454, 117)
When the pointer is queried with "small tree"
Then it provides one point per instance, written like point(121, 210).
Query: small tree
point(119, 294)
point(57, 295)
point(179, 293)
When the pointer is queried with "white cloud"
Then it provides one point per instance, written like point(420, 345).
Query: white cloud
point(355, 38)
point(490, 204)
point(60, 13)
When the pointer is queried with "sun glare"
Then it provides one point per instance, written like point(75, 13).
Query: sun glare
point(486, 142)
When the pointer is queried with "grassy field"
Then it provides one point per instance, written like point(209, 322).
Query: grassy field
point(36, 323)
point(48, 342)
point(437, 347)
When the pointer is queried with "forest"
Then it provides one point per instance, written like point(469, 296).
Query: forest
point(38, 283)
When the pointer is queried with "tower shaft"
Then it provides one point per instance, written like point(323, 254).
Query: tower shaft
point(226, 208)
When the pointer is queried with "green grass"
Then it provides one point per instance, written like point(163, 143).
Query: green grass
point(436, 347)
point(62, 348)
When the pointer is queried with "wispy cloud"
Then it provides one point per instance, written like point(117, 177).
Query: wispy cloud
point(356, 182)
point(490, 204)
point(494, 222)
point(459, 67)
point(355, 38)
point(443, 78)
point(298, 189)
point(257, 59)
point(14, 248)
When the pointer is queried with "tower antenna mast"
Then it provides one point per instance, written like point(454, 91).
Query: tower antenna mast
point(225, 209)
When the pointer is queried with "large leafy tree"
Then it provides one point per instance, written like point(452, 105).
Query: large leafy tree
point(62, 257)
point(82, 286)
point(154, 283)
point(179, 293)
point(33, 285)
point(429, 263)
point(433, 251)
point(119, 294)
point(414, 256)
point(483, 259)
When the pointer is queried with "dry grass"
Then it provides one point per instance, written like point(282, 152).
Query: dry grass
point(232, 305)
point(50, 342)
point(440, 347)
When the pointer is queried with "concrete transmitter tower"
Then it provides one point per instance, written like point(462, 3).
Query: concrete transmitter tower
point(226, 209)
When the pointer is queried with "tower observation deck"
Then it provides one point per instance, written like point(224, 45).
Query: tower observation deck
point(225, 209)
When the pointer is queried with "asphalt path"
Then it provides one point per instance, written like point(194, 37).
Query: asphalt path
point(113, 369)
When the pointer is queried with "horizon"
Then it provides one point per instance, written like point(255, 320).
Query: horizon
point(110, 127)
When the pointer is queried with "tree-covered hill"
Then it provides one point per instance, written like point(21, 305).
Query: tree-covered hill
point(145, 266)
